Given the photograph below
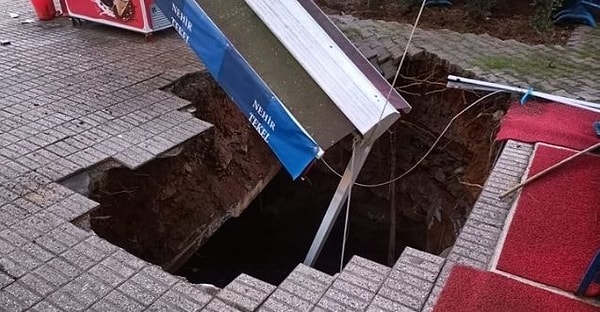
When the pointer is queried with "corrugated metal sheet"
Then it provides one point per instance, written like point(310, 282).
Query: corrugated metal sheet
point(355, 55)
point(351, 91)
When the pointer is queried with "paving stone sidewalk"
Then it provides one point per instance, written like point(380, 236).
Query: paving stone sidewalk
point(74, 97)
point(573, 70)
point(71, 98)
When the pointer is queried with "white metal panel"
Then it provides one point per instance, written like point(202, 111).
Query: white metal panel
point(325, 62)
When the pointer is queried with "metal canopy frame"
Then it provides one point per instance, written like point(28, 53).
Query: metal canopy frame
point(359, 156)
point(303, 85)
point(355, 88)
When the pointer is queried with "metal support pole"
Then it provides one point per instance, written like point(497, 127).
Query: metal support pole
point(362, 150)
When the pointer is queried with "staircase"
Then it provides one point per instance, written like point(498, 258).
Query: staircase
point(413, 284)
point(363, 285)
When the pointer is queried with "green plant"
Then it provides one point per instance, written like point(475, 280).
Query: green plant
point(479, 8)
point(542, 21)
point(539, 65)
point(352, 33)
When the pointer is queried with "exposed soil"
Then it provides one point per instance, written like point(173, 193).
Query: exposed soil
point(159, 210)
point(441, 191)
point(508, 20)
point(156, 211)
point(273, 235)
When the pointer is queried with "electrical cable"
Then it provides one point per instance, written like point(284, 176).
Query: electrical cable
point(397, 75)
point(345, 238)
point(426, 154)
point(387, 101)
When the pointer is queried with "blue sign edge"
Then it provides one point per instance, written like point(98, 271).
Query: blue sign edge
point(292, 145)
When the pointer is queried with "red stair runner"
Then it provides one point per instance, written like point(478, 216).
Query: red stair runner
point(552, 123)
point(556, 227)
point(471, 290)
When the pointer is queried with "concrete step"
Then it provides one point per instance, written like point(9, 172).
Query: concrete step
point(217, 305)
point(363, 285)
point(409, 283)
point(300, 291)
point(245, 293)
point(355, 287)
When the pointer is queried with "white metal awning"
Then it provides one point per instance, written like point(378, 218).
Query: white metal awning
point(339, 77)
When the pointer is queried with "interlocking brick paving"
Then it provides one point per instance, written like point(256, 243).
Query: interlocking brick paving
point(572, 71)
point(74, 97)
point(71, 98)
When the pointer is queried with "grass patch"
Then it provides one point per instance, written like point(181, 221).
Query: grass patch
point(352, 33)
point(534, 65)
point(589, 50)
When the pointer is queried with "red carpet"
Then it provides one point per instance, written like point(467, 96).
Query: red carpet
point(552, 123)
point(555, 230)
point(470, 290)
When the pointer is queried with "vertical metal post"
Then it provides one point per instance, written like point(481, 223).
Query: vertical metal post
point(392, 188)
point(362, 150)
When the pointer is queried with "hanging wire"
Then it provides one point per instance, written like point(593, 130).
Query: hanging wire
point(427, 153)
point(346, 221)
point(397, 75)
point(387, 101)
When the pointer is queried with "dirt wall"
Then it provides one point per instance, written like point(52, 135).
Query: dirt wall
point(165, 210)
point(168, 208)
point(435, 199)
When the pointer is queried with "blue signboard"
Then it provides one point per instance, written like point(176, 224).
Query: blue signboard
point(265, 112)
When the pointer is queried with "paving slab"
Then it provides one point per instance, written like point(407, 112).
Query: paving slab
point(574, 69)
point(246, 293)
point(74, 97)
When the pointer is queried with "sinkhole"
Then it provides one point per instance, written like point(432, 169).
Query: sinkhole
point(222, 206)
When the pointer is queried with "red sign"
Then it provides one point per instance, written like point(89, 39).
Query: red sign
point(125, 12)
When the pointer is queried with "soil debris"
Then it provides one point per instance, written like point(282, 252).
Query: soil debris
point(170, 206)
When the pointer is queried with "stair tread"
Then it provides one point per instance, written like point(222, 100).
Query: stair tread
point(300, 291)
point(246, 293)
point(217, 305)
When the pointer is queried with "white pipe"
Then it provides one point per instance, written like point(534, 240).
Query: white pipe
point(473, 84)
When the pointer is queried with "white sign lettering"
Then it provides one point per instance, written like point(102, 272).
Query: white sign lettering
point(184, 19)
point(262, 131)
point(263, 114)
point(261, 121)
point(180, 30)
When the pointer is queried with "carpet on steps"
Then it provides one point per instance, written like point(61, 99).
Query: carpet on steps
point(469, 290)
point(551, 123)
point(555, 230)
